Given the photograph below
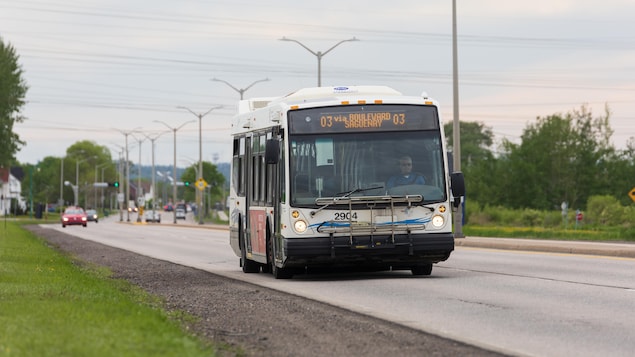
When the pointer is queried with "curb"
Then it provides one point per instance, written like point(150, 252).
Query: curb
point(607, 249)
point(622, 250)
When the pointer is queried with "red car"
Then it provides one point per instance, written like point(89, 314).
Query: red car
point(74, 216)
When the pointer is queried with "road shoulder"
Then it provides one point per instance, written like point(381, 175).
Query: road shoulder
point(611, 249)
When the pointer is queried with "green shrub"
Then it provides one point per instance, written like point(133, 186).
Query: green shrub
point(531, 217)
point(604, 210)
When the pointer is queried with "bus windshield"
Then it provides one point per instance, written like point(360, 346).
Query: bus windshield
point(366, 163)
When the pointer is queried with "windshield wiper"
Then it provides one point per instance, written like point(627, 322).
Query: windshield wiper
point(346, 194)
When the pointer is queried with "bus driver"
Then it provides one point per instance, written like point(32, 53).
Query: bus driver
point(406, 177)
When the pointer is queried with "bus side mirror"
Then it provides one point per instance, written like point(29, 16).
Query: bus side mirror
point(458, 187)
point(272, 151)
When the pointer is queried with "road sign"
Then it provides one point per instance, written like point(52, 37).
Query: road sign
point(632, 194)
point(201, 184)
point(120, 197)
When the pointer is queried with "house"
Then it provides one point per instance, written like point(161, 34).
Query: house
point(10, 193)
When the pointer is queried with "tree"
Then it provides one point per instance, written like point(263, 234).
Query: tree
point(476, 140)
point(561, 158)
point(87, 156)
point(215, 181)
point(477, 160)
point(620, 167)
point(42, 180)
point(12, 92)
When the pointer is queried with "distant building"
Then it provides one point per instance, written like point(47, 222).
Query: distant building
point(10, 193)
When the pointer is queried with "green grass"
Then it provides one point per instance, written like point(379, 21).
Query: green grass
point(52, 306)
point(572, 233)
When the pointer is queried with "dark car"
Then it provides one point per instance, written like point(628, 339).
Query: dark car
point(91, 216)
point(74, 216)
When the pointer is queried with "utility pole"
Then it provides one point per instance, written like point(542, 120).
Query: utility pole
point(456, 130)
point(199, 193)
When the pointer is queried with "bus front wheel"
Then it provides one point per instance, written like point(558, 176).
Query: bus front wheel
point(249, 266)
point(278, 273)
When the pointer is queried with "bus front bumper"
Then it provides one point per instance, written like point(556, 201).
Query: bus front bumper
point(404, 250)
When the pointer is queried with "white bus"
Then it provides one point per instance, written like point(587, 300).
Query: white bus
point(309, 182)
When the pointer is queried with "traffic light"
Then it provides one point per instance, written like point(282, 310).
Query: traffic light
point(186, 183)
point(114, 184)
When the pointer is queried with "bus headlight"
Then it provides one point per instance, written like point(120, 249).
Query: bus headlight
point(437, 221)
point(299, 226)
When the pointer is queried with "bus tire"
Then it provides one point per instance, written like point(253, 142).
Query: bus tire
point(425, 269)
point(249, 266)
point(278, 273)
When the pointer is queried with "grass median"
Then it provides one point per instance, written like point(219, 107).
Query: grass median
point(51, 305)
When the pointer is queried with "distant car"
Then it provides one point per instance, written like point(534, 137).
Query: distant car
point(152, 216)
point(180, 213)
point(91, 216)
point(168, 208)
point(74, 216)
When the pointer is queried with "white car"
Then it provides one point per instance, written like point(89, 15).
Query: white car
point(180, 213)
point(152, 216)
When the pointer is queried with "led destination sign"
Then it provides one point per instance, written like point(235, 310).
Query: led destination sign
point(362, 120)
point(381, 117)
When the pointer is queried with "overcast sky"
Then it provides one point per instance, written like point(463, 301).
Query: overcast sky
point(96, 68)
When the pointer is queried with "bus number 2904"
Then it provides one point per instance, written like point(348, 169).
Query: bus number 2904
point(345, 216)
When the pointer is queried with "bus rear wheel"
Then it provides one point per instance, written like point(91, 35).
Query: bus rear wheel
point(425, 269)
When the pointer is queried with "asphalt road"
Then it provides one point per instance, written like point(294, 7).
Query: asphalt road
point(516, 302)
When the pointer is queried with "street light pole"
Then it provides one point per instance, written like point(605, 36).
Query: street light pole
point(61, 201)
point(153, 189)
point(127, 172)
point(174, 129)
point(199, 193)
point(31, 191)
point(95, 188)
point(456, 131)
point(120, 179)
point(76, 188)
point(241, 91)
point(319, 54)
point(139, 189)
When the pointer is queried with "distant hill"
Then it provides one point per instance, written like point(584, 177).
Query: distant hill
point(146, 171)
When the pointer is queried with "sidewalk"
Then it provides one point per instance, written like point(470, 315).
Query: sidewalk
point(624, 250)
